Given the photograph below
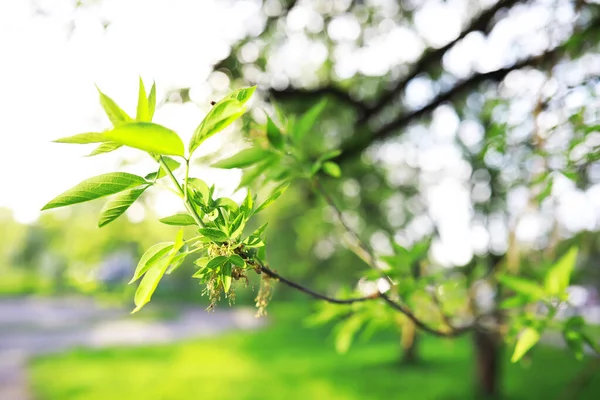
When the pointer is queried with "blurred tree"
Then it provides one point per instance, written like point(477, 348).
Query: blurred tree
point(493, 99)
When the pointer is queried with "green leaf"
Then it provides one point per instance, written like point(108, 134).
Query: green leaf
point(171, 163)
point(149, 282)
point(253, 241)
point(218, 118)
point(308, 120)
point(213, 234)
point(242, 95)
point(346, 331)
point(523, 286)
point(528, 338)
point(152, 101)
point(114, 113)
point(332, 169)
point(226, 277)
point(83, 138)
point(176, 262)
point(106, 147)
point(274, 134)
point(575, 342)
point(95, 188)
point(278, 192)
point(178, 242)
point(514, 302)
point(143, 112)
point(329, 155)
point(237, 260)
point(546, 191)
point(243, 159)
point(116, 206)
point(251, 174)
point(217, 262)
point(179, 220)
point(558, 277)
point(227, 203)
point(199, 187)
point(237, 226)
point(247, 204)
point(151, 255)
point(202, 262)
point(147, 136)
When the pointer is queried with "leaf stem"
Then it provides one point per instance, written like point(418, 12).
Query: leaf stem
point(186, 202)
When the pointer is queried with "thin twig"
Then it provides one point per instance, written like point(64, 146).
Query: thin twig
point(396, 306)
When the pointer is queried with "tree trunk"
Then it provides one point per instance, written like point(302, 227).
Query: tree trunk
point(409, 341)
point(488, 361)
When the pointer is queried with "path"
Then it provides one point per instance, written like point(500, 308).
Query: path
point(31, 326)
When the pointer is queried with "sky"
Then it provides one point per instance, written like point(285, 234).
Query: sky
point(52, 61)
point(54, 55)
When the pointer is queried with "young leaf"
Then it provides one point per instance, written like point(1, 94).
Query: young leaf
point(213, 234)
point(83, 138)
point(218, 118)
point(179, 220)
point(106, 147)
point(528, 338)
point(226, 277)
point(242, 95)
point(114, 113)
point(308, 120)
point(96, 187)
point(149, 282)
point(151, 255)
point(278, 192)
point(243, 159)
point(247, 204)
point(332, 169)
point(329, 155)
point(237, 260)
point(251, 174)
point(558, 277)
point(176, 262)
point(274, 134)
point(147, 136)
point(216, 262)
point(143, 112)
point(172, 164)
point(346, 330)
point(237, 226)
point(116, 206)
point(152, 101)
point(196, 185)
point(523, 286)
point(227, 203)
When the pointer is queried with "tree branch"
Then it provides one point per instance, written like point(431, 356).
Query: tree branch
point(434, 56)
point(396, 306)
point(316, 94)
point(461, 88)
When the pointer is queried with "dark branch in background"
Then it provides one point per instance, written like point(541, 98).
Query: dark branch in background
point(433, 57)
point(546, 59)
point(317, 94)
point(461, 88)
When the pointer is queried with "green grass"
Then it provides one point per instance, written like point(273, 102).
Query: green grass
point(289, 361)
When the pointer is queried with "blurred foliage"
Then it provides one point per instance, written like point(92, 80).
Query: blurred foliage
point(286, 360)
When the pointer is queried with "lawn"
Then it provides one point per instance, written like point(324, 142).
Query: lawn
point(289, 361)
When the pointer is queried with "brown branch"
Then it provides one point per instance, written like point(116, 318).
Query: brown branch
point(433, 57)
point(263, 268)
point(317, 94)
point(396, 306)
